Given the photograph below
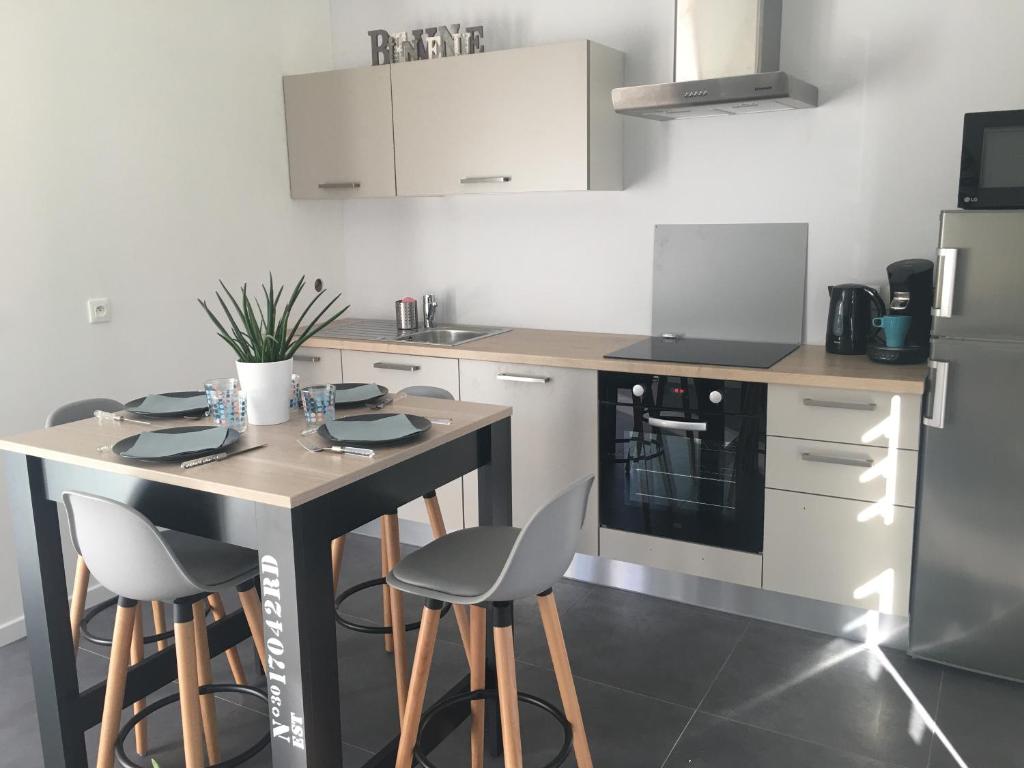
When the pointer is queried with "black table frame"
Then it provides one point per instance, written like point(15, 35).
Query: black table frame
point(294, 549)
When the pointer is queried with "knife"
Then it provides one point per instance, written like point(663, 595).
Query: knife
point(218, 456)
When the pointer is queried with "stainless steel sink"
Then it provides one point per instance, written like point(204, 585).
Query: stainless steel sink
point(451, 335)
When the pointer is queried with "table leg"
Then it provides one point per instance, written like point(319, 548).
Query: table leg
point(47, 618)
point(302, 661)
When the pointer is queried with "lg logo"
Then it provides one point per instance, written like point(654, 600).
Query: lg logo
point(970, 199)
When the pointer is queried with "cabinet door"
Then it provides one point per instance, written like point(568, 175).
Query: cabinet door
point(317, 366)
point(554, 434)
point(340, 143)
point(397, 372)
point(841, 551)
point(505, 121)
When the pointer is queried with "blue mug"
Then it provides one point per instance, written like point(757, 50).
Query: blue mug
point(895, 328)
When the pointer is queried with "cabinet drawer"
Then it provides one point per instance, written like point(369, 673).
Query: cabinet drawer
point(858, 472)
point(837, 550)
point(844, 416)
point(317, 366)
point(396, 371)
point(682, 557)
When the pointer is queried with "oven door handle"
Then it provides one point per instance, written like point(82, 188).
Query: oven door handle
point(677, 426)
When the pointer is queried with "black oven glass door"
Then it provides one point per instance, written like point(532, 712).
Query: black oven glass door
point(676, 464)
point(992, 160)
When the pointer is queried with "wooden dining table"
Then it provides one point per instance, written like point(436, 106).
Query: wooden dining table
point(282, 501)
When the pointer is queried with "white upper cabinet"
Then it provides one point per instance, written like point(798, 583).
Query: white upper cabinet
point(526, 119)
point(340, 143)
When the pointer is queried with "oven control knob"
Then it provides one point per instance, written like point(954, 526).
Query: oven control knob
point(638, 390)
point(715, 397)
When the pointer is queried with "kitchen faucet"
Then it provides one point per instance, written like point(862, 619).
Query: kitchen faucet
point(429, 309)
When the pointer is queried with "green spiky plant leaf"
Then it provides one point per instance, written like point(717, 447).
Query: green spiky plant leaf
point(260, 329)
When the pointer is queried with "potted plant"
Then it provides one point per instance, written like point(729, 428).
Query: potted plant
point(259, 334)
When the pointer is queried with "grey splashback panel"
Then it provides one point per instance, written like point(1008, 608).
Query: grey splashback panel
point(730, 281)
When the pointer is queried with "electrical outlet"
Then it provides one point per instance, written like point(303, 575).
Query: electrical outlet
point(99, 310)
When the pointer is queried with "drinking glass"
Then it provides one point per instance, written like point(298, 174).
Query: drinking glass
point(296, 398)
point(227, 403)
point(318, 403)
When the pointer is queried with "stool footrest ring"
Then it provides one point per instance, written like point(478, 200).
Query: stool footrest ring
point(149, 709)
point(370, 629)
point(490, 693)
point(95, 639)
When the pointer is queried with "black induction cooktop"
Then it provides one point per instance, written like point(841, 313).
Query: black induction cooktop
point(739, 354)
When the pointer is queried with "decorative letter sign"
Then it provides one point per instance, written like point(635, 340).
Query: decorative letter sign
point(428, 43)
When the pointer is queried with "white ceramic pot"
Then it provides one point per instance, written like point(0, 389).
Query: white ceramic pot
point(268, 390)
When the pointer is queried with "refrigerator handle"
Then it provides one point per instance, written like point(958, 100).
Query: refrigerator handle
point(945, 282)
point(939, 376)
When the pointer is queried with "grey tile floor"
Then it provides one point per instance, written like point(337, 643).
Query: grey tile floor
point(661, 685)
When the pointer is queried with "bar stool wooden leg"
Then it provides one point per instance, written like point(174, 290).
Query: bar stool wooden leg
point(389, 643)
point(231, 654)
point(337, 550)
point(188, 685)
point(390, 521)
point(563, 674)
point(120, 651)
point(204, 676)
point(254, 616)
point(159, 623)
point(78, 594)
point(418, 683)
point(138, 652)
point(477, 681)
point(438, 529)
point(508, 692)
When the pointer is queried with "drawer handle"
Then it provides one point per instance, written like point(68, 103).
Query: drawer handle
point(839, 404)
point(306, 358)
point(397, 366)
point(485, 180)
point(524, 379)
point(339, 185)
point(848, 461)
point(678, 426)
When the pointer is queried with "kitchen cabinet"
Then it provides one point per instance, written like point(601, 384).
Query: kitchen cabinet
point(526, 119)
point(554, 433)
point(839, 550)
point(340, 143)
point(317, 366)
point(397, 372)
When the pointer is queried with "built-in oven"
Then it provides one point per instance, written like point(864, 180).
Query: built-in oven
point(992, 160)
point(683, 458)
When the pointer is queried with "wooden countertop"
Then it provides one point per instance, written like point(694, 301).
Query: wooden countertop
point(808, 366)
point(283, 474)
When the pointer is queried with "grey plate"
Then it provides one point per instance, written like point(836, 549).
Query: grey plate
point(422, 425)
point(132, 406)
point(339, 389)
point(126, 444)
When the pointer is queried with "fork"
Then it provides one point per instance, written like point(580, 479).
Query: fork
point(365, 453)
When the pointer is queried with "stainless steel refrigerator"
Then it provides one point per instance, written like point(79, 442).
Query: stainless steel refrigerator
point(967, 591)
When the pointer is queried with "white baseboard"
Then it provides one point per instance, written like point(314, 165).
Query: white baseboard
point(14, 630)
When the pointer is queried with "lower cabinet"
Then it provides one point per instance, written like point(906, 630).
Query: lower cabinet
point(317, 366)
point(554, 433)
point(397, 372)
point(842, 551)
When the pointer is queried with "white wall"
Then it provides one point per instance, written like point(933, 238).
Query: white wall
point(142, 156)
point(869, 170)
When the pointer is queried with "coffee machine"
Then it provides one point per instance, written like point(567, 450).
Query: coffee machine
point(910, 293)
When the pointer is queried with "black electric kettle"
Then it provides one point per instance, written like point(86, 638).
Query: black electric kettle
point(851, 308)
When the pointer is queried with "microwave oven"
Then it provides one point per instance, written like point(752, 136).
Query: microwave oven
point(992, 160)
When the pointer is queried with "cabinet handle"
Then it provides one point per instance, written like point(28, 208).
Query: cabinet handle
point(397, 366)
point(339, 185)
point(306, 358)
point(939, 375)
point(839, 404)
point(524, 379)
point(678, 426)
point(485, 180)
point(945, 282)
point(849, 461)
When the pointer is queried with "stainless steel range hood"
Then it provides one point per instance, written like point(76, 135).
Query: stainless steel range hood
point(726, 63)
